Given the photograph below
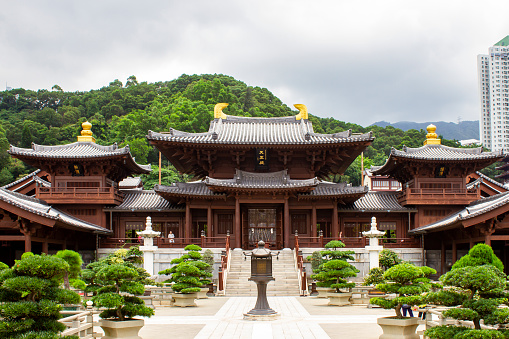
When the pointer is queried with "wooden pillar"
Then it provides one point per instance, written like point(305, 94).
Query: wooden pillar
point(487, 239)
point(335, 226)
point(454, 252)
point(28, 242)
point(286, 227)
point(442, 258)
point(187, 227)
point(209, 221)
point(238, 237)
point(313, 221)
point(45, 246)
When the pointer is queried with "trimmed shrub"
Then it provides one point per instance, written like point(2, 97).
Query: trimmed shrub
point(388, 259)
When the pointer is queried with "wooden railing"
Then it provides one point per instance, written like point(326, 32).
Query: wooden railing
point(79, 193)
point(358, 242)
point(224, 269)
point(445, 194)
point(203, 241)
point(301, 270)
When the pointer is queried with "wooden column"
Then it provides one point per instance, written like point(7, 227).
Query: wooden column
point(454, 252)
point(187, 227)
point(27, 231)
point(238, 237)
point(313, 221)
point(286, 223)
point(335, 226)
point(487, 239)
point(45, 246)
point(28, 242)
point(442, 258)
point(209, 221)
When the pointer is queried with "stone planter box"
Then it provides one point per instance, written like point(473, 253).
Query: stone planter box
point(203, 293)
point(184, 300)
point(121, 329)
point(339, 299)
point(323, 291)
point(394, 328)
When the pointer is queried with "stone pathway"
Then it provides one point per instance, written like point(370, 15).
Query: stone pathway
point(299, 318)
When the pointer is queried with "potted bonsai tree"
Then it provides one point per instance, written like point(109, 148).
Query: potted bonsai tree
point(188, 275)
point(31, 297)
point(478, 288)
point(333, 271)
point(117, 285)
point(408, 282)
point(208, 257)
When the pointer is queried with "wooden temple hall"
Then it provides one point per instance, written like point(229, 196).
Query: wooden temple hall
point(253, 179)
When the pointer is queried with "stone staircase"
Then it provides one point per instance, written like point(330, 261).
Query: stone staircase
point(283, 270)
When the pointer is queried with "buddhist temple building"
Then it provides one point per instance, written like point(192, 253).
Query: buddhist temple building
point(255, 179)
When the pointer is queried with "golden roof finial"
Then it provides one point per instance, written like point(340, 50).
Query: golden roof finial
point(86, 133)
point(303, 111)
point(432, 137)
point(218, 110)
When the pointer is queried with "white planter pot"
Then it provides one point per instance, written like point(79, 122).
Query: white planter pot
point(203, 293)
point(339, 299)
point(127, 329)
point(184, 300)
point(323, 291)
point(394, 328)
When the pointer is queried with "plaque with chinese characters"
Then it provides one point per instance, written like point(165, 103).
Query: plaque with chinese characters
point(262, 159)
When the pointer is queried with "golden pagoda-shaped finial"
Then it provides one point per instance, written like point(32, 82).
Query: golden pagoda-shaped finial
point(86, 133)
point(303, 112)
point(432, 137)
point(218, 110)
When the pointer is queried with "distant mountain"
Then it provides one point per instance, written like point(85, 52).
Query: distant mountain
point(449, 130)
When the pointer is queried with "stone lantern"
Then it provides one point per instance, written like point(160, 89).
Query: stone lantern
point(373, 248)
point(261, 274)
point(148, 247)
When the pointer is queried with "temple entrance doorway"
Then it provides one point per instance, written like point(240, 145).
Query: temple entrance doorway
point(262, 223)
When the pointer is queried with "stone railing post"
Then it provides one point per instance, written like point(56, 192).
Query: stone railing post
point(373, 248)
point(148, 247)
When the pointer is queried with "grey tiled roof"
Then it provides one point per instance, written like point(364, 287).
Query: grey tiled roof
point(144, 200)
point(130, 182)
point(39, 207)
point(29, 178)
point(375, 201)
point(272, 180)
point(475, 209)
point(14, 183)
point(77, 150)
point(494, 182)
point(183, 189)
point(263, 131)
point(329, 189)
point(444, 153)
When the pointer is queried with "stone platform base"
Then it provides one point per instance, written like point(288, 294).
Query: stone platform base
point(264, 317)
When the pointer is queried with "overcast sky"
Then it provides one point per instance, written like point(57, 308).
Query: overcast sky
point(357, 61)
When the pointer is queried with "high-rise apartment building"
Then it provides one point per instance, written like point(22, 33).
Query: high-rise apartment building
point(493, 71)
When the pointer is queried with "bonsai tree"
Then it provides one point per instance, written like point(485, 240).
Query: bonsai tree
point(316, 260)
point(31, 298)
point(116, 283)
point(208, 257)
point(375, 277)
point(477, 285)
point(408, 282)
point(73, 259)
point(190, 271)
point(335, 269)
point(388, 258)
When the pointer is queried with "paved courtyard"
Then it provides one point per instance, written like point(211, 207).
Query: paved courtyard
point(301, 317)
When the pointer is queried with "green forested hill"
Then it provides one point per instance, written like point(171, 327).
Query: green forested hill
point(123, 113)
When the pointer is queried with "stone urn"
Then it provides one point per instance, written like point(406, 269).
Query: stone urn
point(203, 293)
point(323, 291)
point(127, 329)
point(339, 299)
point(394, 328)
point(184, 299)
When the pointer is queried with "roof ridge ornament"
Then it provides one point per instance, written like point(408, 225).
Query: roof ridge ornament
point(432, 137)
point(86, 133)
point(303, 111)
point(218, 110)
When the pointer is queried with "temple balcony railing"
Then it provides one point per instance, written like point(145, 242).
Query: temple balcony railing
point(437, 196)
point(358, 242)
point(80, 195)
point(203, 241)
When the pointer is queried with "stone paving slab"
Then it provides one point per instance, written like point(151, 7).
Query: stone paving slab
point(300, 317)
